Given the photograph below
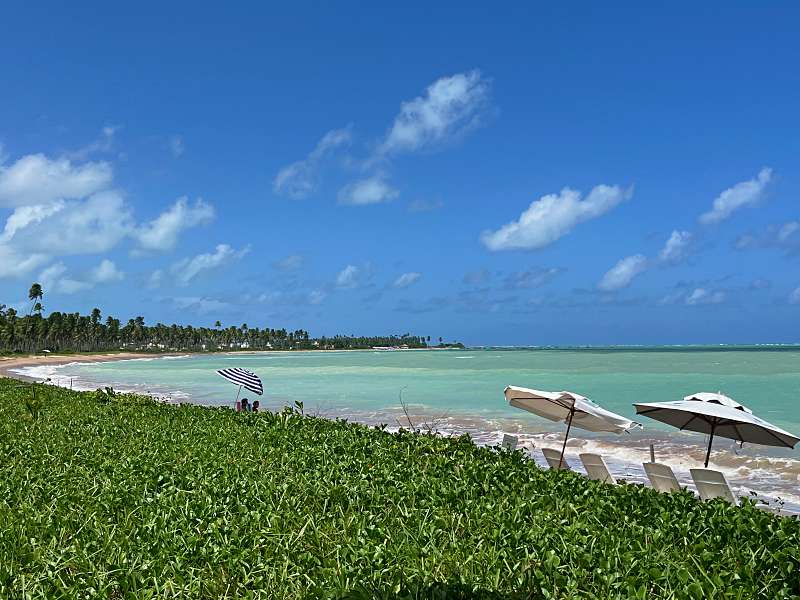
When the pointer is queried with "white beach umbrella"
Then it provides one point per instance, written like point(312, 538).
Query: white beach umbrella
point(717, 414)
point(569, 408)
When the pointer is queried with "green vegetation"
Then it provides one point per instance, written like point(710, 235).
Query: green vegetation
point(105, 495)
point(73, 332)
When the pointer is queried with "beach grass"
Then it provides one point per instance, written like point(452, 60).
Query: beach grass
point(111, 495)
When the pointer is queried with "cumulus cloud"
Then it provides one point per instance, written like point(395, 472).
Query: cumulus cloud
point(785, 236)
point(449, 107)
point(406, 279)
point(621, 274)
point(704, 296)
point(299, 179)
point(14, 264)
point(289, 263)
point(316, 297)
point(106, 272)
point(677, 247)
point(90, 226)
point(554, 216)
point(200, 304)
point(161, 234)
point(56, 277)
point(348, 277)
point(187, 269)
point(372, 190)
point(745, 193)
point(35, 179)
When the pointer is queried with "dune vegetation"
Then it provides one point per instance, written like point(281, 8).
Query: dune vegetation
point(111, 495)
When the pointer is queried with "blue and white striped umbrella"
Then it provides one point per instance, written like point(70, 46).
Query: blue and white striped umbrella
point(244, 378)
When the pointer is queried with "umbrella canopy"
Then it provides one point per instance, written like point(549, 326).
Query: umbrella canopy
point(243, 378)
point(717, 414)
point(569, 408)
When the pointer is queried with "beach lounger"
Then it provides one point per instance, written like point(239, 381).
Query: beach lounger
point(596, 468)
point(552, 457)
point(509, 442)
point(712, 484)
point(662, 478)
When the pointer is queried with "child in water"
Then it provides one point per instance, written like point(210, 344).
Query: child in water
point(245, 405)
point(256, 404)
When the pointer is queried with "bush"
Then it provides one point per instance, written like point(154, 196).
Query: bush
point(111, 495)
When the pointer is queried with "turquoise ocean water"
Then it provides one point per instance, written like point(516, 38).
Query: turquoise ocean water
point(461, 391)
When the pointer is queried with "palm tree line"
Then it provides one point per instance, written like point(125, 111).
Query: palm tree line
point(74, 332)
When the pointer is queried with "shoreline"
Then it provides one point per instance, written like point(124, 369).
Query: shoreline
point(9, 365)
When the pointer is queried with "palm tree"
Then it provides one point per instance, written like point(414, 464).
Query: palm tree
point(35, 295)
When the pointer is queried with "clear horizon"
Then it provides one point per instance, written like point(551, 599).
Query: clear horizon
point(540, 176)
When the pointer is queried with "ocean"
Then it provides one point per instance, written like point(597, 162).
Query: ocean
point(461, 391)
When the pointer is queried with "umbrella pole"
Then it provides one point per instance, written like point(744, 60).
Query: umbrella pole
point(237, 397)
point(566, 437)
point(710, 439)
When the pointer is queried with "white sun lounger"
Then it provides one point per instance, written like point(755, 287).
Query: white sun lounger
point(553, 457)
point(596, 468)
point(661, 477)
point(712, 484)
point(509, 442)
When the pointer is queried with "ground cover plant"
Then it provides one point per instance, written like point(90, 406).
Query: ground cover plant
point(110, 495)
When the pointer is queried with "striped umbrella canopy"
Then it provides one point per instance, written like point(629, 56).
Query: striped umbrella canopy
point(243, 378)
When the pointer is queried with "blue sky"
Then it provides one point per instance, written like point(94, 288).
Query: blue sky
point(571, 174)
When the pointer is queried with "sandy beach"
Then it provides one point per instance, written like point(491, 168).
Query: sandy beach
point(9, 364)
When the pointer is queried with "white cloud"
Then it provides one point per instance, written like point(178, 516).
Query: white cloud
point(745, 193)
point(162, 233)
point(316, 297)
point(56, 279)
point(36, 179)
point(372, 190)
point(187, 269)
point(176, 146)
point(289, 263)
point(787, 230)
point(14, 264)
point(103, 144)
point(704, 296)
point(553, 216)
point(449, 107)
point(299, 179)
point(348, 277)
point(200, 305)
point(621, 274)
point(406, 279)
point(23, 216)
point(106, 272)
point(794, 297)
point(677, 247)
point(155, 279)
point(90, 226)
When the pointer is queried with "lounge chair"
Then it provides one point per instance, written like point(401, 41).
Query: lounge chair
point(662, 478)
point(596, 468)
point(712, 484)
point(509, 442)
point(553, 457)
